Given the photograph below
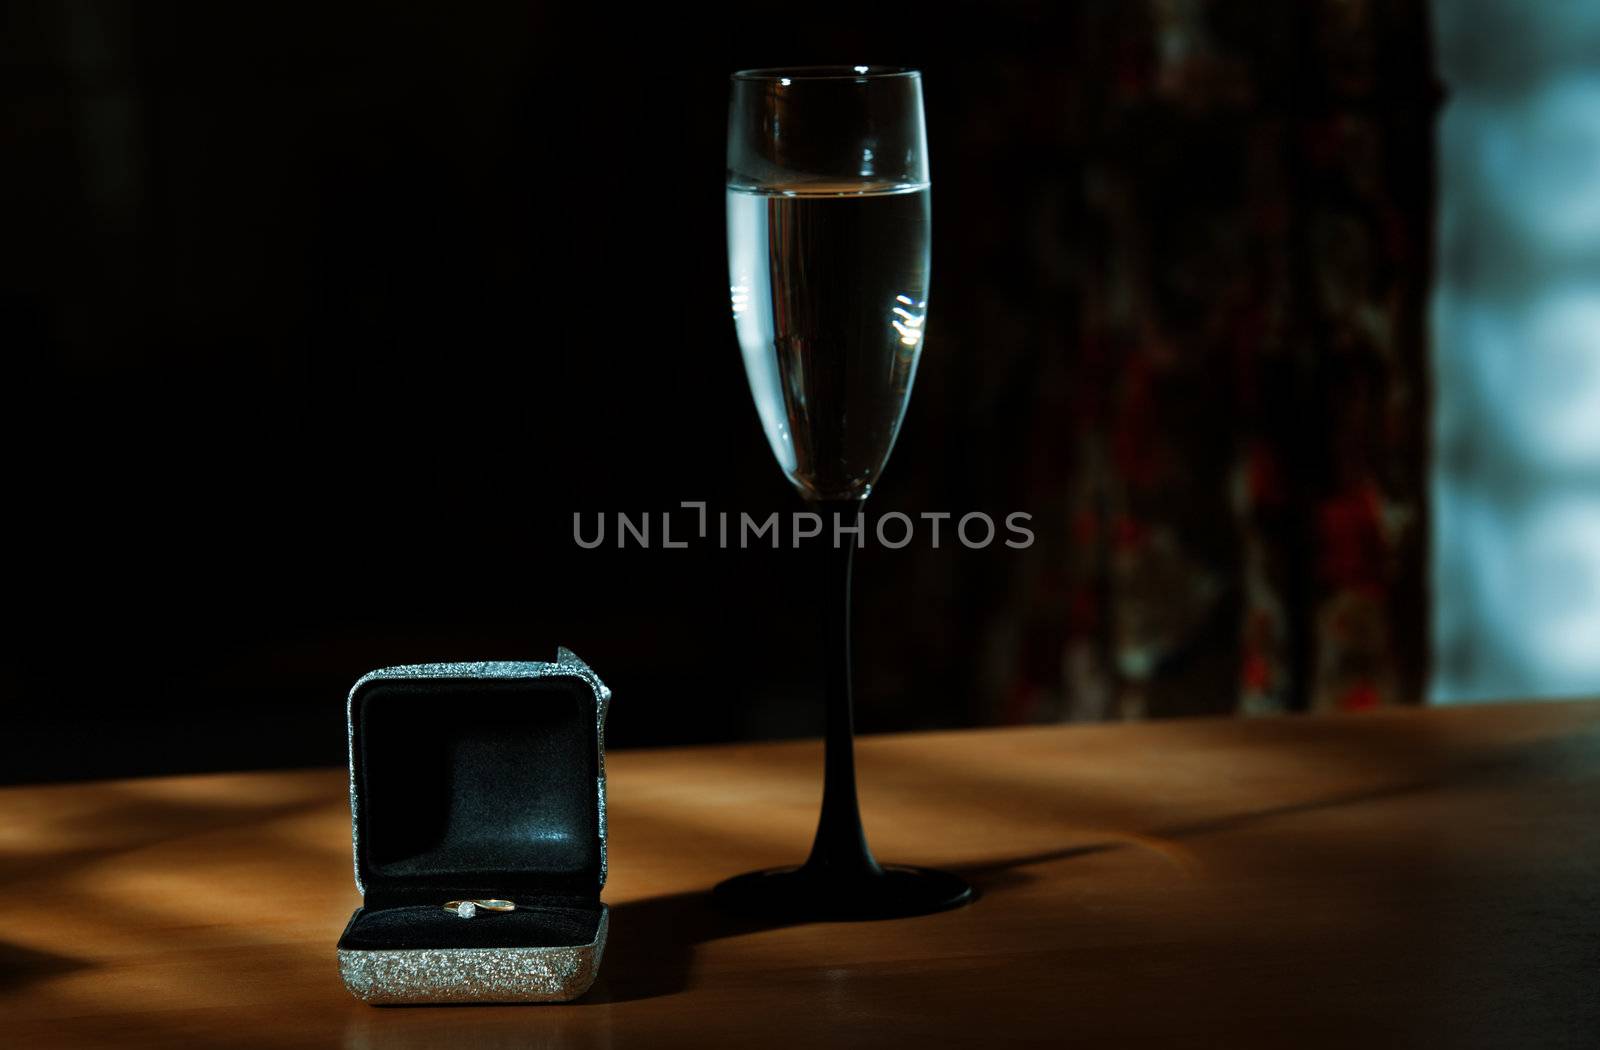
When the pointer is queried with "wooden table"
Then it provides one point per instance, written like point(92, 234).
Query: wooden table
point(1426, 878)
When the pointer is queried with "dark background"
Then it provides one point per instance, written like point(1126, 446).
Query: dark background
point(320, 327)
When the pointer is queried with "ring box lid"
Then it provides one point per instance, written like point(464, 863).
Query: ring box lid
point(477, 780)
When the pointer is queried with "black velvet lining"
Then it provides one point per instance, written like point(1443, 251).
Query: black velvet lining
point(430, 926)
point(476, 788)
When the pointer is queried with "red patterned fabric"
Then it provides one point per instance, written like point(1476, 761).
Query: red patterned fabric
point(1233, 214)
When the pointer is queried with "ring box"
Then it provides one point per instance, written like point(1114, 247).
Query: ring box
point(476, 781)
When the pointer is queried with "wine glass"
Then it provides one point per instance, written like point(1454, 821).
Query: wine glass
point(828, 235)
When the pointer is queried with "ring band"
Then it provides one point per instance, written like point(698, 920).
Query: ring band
point(467, 909)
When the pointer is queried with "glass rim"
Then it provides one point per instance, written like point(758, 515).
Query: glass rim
point(783, 74)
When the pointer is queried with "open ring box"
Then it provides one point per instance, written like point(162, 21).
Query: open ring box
point(474, 781)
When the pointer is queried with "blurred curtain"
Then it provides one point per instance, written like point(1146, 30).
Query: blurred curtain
point(1241, 254)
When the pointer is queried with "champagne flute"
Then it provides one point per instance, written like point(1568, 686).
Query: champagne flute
point(828, 235)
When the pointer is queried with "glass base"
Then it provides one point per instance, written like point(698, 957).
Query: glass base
point(801, 894)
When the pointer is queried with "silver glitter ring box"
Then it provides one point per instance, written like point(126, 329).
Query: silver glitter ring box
point(476, 781)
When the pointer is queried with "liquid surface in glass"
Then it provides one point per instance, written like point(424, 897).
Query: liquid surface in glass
point(830, 287)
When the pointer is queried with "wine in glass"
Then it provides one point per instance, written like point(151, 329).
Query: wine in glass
point(828, 238)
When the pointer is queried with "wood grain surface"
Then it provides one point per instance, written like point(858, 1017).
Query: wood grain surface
point(1414, 877)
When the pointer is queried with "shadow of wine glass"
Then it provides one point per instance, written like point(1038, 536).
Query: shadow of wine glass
point(652, 944)
point(20, 967)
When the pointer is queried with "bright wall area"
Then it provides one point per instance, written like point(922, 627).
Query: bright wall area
point(1516, 352)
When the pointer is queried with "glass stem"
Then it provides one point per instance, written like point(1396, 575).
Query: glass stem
point(840, 849)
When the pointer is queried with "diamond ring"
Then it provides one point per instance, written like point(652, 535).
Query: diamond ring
point(467, 909)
